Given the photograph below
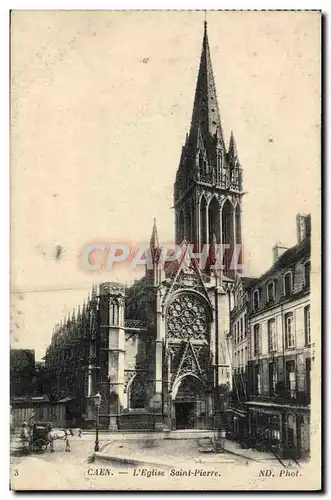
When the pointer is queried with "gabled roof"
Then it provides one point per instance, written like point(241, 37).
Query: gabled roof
point(248, 282)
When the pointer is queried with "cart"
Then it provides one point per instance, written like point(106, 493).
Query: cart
point(39, 437)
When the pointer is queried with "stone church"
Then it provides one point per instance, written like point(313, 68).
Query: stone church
point(158, 351)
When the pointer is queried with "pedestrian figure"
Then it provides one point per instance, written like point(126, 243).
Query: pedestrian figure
point(25, 437)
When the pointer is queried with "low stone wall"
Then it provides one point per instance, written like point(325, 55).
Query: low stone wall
point(136, 422)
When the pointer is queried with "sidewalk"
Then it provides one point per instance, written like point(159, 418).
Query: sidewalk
point(170, 453)
point(249, 453)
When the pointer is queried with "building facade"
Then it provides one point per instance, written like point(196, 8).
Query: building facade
point(158, 351)
point(273, 411)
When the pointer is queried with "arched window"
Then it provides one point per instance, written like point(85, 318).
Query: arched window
point(214, 220)
point(238, 225)
point(113, 312)
point(256, 300)
point(137, 393)
point(219, 164)
point(307, 274)
point(203, 221)
point(202, 165)
point(227, 234)
point(288, 284)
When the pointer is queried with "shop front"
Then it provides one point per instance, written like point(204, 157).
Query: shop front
point(283, 430)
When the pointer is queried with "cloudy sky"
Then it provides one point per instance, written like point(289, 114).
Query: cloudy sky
point(101, 103)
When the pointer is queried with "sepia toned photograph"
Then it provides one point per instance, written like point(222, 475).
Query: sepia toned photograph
point(165, 250)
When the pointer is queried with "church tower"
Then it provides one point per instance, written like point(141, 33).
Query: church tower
point(208, 187)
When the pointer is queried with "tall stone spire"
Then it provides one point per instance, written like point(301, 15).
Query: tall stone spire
point(206, 169)
point(206, 114)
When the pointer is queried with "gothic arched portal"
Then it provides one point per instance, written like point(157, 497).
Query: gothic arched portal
point(189, 408)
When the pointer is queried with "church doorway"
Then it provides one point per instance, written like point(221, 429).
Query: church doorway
point(189, 409)
point(185, 417)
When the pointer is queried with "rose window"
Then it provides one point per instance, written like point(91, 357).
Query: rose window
point(187, 318)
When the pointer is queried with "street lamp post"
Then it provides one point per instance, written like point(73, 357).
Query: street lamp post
point(97, 401)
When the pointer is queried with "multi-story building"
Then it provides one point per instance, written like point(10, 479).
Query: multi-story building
point(279, 345)
point(239, 338)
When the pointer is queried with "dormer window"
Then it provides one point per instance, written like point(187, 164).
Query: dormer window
point(256, 299)
point(271, 292)
point(307, 274)
point(288, 284)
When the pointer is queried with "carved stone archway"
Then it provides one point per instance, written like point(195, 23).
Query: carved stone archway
point(189, 403)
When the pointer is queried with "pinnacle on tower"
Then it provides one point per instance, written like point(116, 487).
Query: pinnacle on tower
point(233, 153)
point(94, 292)
point(154, 241)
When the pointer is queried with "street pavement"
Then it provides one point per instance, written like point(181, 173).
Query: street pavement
point(75, 470)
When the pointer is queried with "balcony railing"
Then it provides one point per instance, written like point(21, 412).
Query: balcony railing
point(294, 398)
point(135, 324)
point(220, 181)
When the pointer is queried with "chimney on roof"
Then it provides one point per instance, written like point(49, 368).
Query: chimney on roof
point(277, 250)
point(303, 226)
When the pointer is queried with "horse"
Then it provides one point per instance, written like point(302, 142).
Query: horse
point(63, 434)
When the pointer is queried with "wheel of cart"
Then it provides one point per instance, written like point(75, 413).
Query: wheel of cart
point(39, 446)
